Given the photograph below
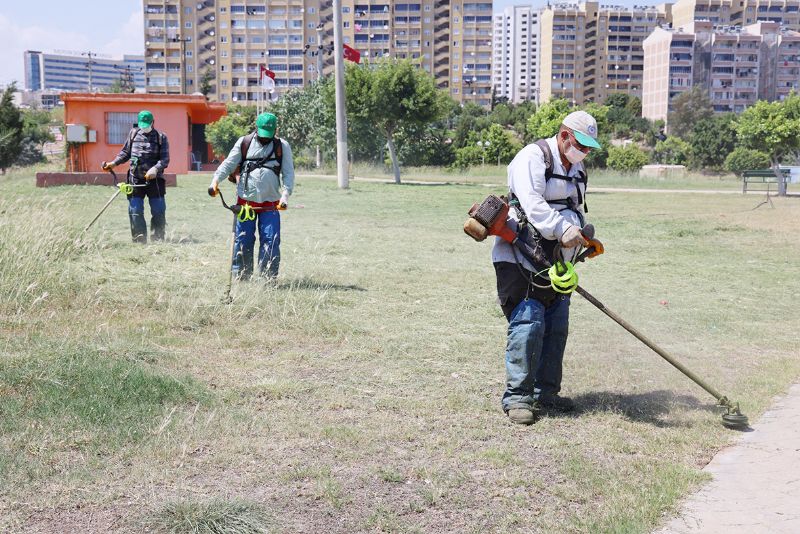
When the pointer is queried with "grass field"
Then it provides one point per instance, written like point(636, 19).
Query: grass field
point(362, 393)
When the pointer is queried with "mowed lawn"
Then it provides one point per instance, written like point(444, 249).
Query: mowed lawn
point(362, 393)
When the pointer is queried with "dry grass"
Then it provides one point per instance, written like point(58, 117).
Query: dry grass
point(363, 392)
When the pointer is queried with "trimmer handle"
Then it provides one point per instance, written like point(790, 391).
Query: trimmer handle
point(212, 191)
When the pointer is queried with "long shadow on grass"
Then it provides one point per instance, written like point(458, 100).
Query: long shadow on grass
point(310, 283)
point(652, 407)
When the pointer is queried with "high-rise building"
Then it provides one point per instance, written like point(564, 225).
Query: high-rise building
point(735, 66)
point(589, 51)
point(224, 43)
point(516, 54)
point(737, 12)
point(74, 71)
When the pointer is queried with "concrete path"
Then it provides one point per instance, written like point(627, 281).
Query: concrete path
point(756, 486)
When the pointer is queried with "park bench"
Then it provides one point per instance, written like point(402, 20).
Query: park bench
point(762, 176)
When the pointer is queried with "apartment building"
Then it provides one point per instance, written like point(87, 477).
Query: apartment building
point(589, 51)
point(737, 12)
point(76, 71)
point(735, 66)
point(226, 41)
point(515, 56)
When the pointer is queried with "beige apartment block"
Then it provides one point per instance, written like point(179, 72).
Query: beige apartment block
point(735, 66)
point(228, 40)
point(589, 51)
point(737, 12)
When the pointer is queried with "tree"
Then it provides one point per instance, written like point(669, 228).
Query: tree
point(10, 127)
point(424, 145)
point(116, 87)
point(547, 119)
point(389, 95)
point(672, 151)
point(35, 133)
point(630, 158)
point(224, 133)
point(304, 119)
point(467, 119)
point(745, 159)
point(205, 82)
point(497, 146)
point(688, 108)
point(774, 129)
point(711, 141)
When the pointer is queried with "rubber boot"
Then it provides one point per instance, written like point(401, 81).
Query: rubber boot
point(159, 223)
point(138, 223)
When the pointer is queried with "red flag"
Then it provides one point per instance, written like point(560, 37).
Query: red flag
point(266, 72)
point(351, 54)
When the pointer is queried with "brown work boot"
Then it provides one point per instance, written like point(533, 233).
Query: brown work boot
point(522, 416)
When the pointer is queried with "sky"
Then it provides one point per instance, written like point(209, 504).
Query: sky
point(112, 27)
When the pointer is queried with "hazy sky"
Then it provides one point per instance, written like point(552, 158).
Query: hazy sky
point(112, 27)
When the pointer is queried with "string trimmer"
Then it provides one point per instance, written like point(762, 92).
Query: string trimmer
point(243, 214)
point(124, 188)
point(489, 218)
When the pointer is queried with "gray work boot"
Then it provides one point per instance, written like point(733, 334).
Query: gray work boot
point(522, 416)
point(556, 402)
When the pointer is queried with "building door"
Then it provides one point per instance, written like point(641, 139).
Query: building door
point(199, 144)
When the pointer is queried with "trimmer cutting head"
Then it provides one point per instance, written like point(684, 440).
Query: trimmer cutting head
point(733, 418)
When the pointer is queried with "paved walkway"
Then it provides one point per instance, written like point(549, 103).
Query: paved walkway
point(756, 486)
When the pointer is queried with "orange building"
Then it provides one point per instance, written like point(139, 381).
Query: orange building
point(98, 125)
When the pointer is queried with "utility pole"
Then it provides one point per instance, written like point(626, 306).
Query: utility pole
point(319, 77)
point(341, 114)
point(89, 64)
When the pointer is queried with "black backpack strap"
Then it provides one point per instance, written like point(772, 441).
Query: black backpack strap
point(548, 158)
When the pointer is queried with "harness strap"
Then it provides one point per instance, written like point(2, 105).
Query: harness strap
point(582, 177)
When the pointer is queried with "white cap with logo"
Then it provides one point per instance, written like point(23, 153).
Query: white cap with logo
point(584, 127)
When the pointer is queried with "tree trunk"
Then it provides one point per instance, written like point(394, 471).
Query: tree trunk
point(780, 176)
point(319, 157)
point(393, 155)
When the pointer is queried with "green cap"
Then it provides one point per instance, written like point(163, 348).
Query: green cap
point(145, 119)
point(266, 124)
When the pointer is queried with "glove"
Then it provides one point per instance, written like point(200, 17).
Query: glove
point(572, 237)
point(214, 187)
point(108, 165)
point(283, 203)
point(152, 173)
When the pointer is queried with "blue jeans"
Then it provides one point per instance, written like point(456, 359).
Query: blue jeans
point(269, 249)
point(158, 220)
point(535, 351)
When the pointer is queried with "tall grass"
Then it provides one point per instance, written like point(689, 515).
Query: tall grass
point(218, 516)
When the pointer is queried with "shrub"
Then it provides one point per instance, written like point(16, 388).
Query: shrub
point(746, 159)
point(629, 158)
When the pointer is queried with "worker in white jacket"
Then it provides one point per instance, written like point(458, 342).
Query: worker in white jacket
point(266, 179)
point(547, 184)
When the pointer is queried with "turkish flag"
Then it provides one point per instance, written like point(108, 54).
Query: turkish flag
point(266, 72)
point(351, 54)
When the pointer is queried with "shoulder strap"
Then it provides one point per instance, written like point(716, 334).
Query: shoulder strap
point(133, 133)
point(548, 158)
point(246, 140)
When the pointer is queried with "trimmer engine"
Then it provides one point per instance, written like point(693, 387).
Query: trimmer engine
point(489, 218)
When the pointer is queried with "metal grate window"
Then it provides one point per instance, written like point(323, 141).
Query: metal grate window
point(118, 125)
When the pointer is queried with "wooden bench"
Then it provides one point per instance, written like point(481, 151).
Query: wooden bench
point(762, 176)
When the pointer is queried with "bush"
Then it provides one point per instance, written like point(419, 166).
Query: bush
point(629, 158)
point(746, 159)
point(671, 151)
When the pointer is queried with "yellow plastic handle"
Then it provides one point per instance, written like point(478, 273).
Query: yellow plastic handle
point(125, 189)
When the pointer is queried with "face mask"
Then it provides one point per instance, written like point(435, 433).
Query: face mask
point(574, 155)
point(148, 129)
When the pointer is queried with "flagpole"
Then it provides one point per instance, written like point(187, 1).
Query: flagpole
point(341, 114)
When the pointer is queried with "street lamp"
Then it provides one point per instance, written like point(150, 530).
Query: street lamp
point(483, 145)
point(183, 41)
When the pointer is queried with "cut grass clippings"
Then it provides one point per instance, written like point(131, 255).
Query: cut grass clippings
point(362, 391)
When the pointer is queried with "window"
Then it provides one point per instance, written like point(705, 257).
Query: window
point(187, 25)
point(345, 9)
point(312, 10)
point(118, 125)
point(189, 53)
point(223, 10)
point(189, 68)
point(224, 83)
point(187, 10)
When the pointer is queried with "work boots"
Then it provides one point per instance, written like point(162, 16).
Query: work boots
point(523, 414)
point(159, 223)
point(138, 227)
